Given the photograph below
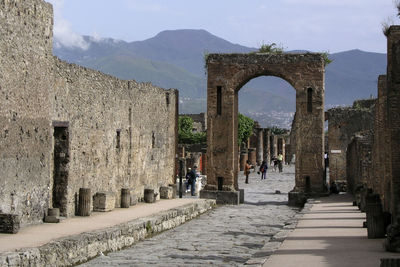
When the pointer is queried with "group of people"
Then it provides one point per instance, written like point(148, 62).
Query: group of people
point(276, 162)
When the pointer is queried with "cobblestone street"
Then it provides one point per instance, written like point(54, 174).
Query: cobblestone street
point(226, 236)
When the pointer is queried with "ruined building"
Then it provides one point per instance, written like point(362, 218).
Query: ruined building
point(373, 156)
point(227, 73)
point(65, 127)
point(343, 124)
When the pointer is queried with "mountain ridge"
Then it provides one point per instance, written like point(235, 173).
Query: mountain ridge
point(175, 59)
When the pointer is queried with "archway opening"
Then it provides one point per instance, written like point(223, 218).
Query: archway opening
point(271, 103)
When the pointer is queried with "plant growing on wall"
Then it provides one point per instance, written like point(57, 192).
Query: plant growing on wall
point(270, 48)
point(245, 128)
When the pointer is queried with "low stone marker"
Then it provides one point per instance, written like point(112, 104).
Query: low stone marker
point(149, 195)
point(104, 201)
point(84, 204)
point(125, 198)
point(134, 199)
point(9, 223)
point(52, 215)
point(166, 192)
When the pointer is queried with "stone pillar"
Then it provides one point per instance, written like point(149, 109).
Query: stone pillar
point(266, 154)
point(274, 145)
point(393, 83)
point(375, 220)
point(84, 205)
point(252, 156)
point(260, 146)
point(125, 197)
point(243, 158)
point(149, 196)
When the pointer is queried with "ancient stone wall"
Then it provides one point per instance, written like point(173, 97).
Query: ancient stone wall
point(99, 108)
point(25, 81)
point(380, 150)
point(343, 123)
point(115, 133)
point(359, 161)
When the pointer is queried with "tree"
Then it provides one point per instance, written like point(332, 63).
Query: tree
point(185, 134)
point(245, 128)
point(277, 131)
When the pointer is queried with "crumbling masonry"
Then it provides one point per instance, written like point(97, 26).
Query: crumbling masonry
point(64, 127)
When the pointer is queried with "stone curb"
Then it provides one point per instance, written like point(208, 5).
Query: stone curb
point(76, 249)
point(277, 239)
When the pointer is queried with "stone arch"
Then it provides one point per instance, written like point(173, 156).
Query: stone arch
point(227, 73)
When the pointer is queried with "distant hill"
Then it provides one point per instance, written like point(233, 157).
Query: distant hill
point(175, 59)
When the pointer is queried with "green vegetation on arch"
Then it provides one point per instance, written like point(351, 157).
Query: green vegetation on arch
point(270, 48)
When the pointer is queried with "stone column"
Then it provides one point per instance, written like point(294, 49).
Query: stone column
point(260, 146)
point(243, 159)
point(85, 198)
point(393, 79)
point(252, 156)
point(266, 143)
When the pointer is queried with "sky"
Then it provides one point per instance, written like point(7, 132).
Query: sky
point(314, 25)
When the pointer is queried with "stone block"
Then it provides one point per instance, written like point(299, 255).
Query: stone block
point(174, 190)
point(166, 192)
point(134, 199)
point(297, 199)
point(55, 212)
point(9, 223)
point(104, 201)
point(51, 219)
point(390, 262)
point(149, 195)
point(222, 197)
point(241, 196)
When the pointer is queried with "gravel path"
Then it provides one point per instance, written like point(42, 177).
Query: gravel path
point(226, 236)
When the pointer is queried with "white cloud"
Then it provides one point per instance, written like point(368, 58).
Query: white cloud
point(63, 33)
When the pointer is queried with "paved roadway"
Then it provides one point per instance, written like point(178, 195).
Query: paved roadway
point(226, 236)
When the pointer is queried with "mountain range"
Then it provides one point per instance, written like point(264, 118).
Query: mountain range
point(175, 59)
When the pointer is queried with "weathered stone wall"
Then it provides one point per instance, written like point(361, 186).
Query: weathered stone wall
point(359, 161)
point(227, 73)
point(343, 123)
point(25, 81)
point(97, 106)
point(380, 150)
point(39, 92)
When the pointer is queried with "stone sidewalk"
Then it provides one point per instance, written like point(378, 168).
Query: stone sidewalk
point(79, 239)
point(330, 234)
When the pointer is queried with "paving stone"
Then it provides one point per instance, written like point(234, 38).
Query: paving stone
point(231, 235)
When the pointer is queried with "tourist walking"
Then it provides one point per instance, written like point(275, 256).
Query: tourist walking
point(192, 175)
point(274, 163)
point(263, 170)
point(280, 161)
point(247, 168)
